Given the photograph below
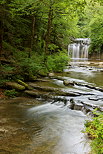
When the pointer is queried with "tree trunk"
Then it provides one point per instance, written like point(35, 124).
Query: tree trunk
point(1, 39)
point(32, 35)
point(48, 34)
point(49, 30)
point(1, 29)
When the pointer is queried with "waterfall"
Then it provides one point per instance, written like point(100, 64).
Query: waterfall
point(79, 49)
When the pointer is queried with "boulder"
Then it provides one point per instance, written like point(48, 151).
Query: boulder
point(14, 85)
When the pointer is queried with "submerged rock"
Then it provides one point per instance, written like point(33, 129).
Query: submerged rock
point(82, 106)
point(68, 83)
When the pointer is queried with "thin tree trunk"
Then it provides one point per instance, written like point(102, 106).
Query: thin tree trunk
point(32, 35)
point(1, 29)
point(48, 35)
point(49, 30)
point(1, 40)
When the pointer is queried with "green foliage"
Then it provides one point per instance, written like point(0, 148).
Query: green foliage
point(96, 27)
point(7, 72)
point(2, 82)
point(94, 129)
point(7, 68)
point(11, 93)
point(32, 29)
point(91, 24)
point(57, 62)
point(8, 47)
point(31, 66)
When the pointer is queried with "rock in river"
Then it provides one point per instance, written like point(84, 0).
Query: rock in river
point(14, 85)
point(67, 83)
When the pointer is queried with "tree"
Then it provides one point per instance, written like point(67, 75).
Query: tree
point(92, 25)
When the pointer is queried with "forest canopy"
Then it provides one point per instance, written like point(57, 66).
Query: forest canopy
point(48, 25)
point(44, 28)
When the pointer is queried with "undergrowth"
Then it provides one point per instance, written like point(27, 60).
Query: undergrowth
point(94, 129)
point(11, 93)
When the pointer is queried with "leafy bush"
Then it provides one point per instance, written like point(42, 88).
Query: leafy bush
point(94, 129)
point(7, 72)
point(57, 62)
point(31, 66)
point(7, 68)
point(36, 65)
point(11, 93)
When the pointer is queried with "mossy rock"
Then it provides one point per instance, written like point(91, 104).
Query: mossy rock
point(24, 84)
point(14, 85)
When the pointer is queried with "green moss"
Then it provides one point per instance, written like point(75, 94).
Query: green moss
point(15, 85)
point(22, 83)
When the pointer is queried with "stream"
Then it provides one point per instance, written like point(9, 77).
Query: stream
point(32, 125)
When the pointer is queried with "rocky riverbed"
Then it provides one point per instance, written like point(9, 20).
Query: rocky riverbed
point(50, 115)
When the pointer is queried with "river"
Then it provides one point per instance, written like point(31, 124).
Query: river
point(42, 126)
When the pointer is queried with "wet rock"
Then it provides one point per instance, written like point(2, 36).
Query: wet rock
point(72, 104)
point(85, 85)
point(87, 108)
point(61, 101)
point(51, 74)
point(75, 105)
point(57, 77)
point(91, 107)
point(78, 106)
point(62, 93)
point(68, 83)
point(58, 99)
point(38, 94)
point(84, 107)
point(54, 91)
point(48, 89)
point(32, 93)
point(14, 85)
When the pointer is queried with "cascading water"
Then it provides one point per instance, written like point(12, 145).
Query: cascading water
point(79, 49)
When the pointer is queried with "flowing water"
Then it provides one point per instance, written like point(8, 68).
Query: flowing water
point(79, 49)
point(46, 128)
point(38, 126)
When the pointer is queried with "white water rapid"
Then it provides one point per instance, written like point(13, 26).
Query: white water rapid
point(79, 49)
